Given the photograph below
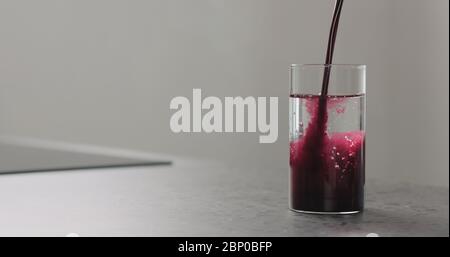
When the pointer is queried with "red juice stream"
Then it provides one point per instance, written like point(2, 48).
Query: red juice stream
point(327, 171)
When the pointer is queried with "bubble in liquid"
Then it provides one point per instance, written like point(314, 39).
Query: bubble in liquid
point(340, 109)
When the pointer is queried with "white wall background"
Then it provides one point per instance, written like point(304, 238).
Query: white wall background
point(104, 71)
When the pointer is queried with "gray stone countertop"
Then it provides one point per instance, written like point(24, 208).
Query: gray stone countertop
point(194, 198)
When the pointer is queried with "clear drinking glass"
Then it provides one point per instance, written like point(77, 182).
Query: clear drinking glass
point(327, 139)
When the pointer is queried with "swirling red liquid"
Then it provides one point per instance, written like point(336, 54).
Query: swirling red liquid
point(327, 169)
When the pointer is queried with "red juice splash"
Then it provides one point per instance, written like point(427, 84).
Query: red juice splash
point(327, 169)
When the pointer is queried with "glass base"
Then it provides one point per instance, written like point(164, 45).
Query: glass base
point(325, 213)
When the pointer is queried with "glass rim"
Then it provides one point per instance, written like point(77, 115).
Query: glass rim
point(322, 65)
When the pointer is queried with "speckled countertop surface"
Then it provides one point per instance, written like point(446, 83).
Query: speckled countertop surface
point(202, 199)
